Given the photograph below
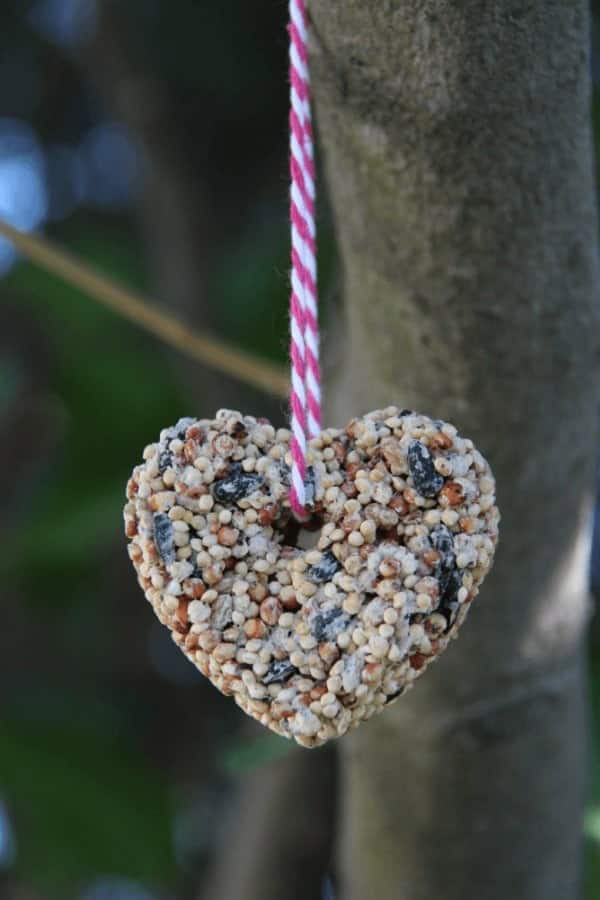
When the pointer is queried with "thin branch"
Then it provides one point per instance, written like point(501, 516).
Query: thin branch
point(206, 349)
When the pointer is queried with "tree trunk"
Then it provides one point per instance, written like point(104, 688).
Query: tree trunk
point(457, 147)
point(279, 841)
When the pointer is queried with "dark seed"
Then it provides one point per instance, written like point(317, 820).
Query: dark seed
point(443, 542)
point(327, 625)
point(285, 474)
point(236, 485)
point(427, 481)
point(450, 587)
point(165, 461)
point(325, 569)
point(448, 576)
point(310, 486)
point(238, 431)
point(279, 671)
point(164, 538)
point(393, 696)
point(444, 577)
point(406, 412)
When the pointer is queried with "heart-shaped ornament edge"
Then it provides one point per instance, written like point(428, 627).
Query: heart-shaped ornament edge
point(312, 642)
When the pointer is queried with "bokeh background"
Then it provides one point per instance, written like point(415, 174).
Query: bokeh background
point(150, 139)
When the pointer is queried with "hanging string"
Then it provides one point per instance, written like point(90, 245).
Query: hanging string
point(305, 396)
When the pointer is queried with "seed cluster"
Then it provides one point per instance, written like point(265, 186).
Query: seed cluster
point(313, 640)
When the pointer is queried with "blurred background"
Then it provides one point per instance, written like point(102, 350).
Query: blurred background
point(150, 139)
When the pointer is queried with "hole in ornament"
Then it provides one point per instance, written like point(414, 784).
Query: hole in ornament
point(302, 535)
point(307, 540)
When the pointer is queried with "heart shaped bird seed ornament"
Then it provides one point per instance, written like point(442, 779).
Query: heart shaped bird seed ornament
point(311, 642)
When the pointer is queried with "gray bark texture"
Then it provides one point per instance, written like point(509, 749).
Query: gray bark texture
point(457, 148)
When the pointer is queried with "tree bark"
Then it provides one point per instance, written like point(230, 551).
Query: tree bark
point(457, 148)
point(279, 842)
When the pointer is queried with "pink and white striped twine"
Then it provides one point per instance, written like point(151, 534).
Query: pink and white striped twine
point(305, 395)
